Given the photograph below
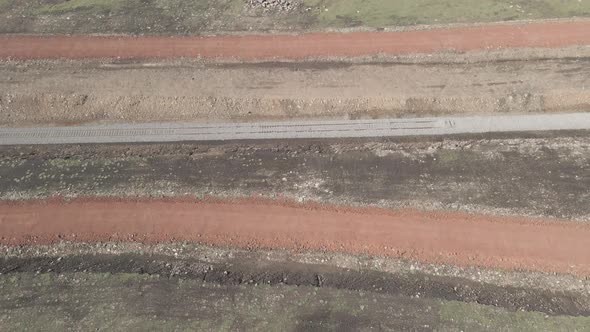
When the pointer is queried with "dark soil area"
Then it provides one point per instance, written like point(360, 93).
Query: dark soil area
point(124, 286)
point(531, 176)
point(243, 272)
point(123, 302)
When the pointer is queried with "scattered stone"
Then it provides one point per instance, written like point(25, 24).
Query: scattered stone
point(281, 5)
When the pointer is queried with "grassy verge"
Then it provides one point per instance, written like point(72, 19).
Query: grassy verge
point(200, 16)
point(375, 13)
point(141, 302)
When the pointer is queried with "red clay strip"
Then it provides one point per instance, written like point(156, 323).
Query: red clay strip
point(537, 34)
point(440, 237)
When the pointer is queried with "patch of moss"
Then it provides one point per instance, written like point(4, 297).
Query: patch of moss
point(146, 302)
point(471, 317)
point(376, 13)
point(179, 16)
point(81, 5)
point(4, 4)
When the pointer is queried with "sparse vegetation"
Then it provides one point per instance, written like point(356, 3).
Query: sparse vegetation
point(376, 13)
point(200, 16)
point(146, 302)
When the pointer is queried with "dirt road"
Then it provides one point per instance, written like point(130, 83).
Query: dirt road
point(440, 237)
point(539, 34)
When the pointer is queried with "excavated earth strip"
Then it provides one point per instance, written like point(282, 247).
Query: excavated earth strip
point(241, 271)
point(542, 175)
point(437, 236)
point(221, 255)
point(91, 301)
point(73, 92)
point(534, 34)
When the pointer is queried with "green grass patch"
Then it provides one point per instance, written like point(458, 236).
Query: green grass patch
point(82, 5)
point(4, 4)
point(135, 6)
point(375, 13)
point(131, 301)
point(472, 317)
point(195, 16)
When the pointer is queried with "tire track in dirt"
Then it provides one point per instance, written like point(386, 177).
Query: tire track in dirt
point(438, 237)
point(546, 34)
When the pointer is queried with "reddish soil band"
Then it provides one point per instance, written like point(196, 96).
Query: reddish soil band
point(440, 237)
point(537, 34)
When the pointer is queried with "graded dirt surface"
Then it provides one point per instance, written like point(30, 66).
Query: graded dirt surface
point(549, 34)
point(446, 237)
point(39, 93)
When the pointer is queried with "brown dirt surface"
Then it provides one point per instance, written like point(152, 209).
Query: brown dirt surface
point(43, 92)
point(536, 175)
point(441, 237)
point(547, 34)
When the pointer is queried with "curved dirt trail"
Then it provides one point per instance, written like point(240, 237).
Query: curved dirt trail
point(440, 237)
point(547, 34)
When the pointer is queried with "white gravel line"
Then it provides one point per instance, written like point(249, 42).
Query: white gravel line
point(182, 132)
